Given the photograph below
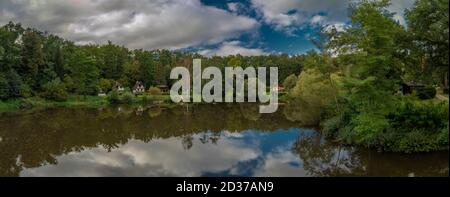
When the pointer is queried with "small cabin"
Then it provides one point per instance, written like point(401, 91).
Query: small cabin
point(118, 87)
point(409, 87)
point(163, 88)
point(138, 88)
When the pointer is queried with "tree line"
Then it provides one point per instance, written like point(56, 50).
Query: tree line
point(35, 63)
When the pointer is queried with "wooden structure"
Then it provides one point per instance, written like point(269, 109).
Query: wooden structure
point(164, 89)
point(138, 88)
point(118, 87)
point(409, 87)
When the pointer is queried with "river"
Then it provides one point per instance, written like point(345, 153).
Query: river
point(204, 140)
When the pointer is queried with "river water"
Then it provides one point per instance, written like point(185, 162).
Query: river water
point(205, 140)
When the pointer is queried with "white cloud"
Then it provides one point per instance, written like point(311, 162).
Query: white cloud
point(278, 163)
point(161, 157)
point(171, 24)
point(318, 19)
point(232, 48)
point(234, 7)
point(290, 15)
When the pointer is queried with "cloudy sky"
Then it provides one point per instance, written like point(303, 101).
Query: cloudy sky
point(210, 27)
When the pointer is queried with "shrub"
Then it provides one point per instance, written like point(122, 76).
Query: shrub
point(127, 98)
point(290, 82)
point(411, 126)
point(426, 93)
point(25, 90)
point(55, 90)
point(154, 91)
point(106, 84)
point(25, 104)
point(310, 97)
point(70, 84)
point(113, 97)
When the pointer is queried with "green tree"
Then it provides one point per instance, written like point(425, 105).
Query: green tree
point(106, 85)
point(428, 25)
point(131, 73)
point(32, 58)
point(312, 94)
point(84, 73)
point(4, 90)
point(55, 90)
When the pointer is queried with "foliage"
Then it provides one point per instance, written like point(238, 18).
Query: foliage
point(40, 58)
point(55, 90)
point(428, 28)
point(4, 91)
point(106, 85)
point(127, 98)
point(113, 97)
point(154, 91)
point(412, 126)
point(84, 73)
point(425, 93)
point(372, 63)
point(290, 82)
point(311, 95)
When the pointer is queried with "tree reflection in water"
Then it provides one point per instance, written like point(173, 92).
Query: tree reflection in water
point(199, 140)
point(322, 158)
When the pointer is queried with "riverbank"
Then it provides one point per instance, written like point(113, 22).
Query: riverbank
point(73, 101)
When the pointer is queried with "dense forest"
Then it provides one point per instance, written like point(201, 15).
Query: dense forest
point(35, 63)
point(351, 85)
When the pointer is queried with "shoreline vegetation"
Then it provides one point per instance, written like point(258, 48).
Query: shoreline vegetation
point(75, 101)
point(375, 83)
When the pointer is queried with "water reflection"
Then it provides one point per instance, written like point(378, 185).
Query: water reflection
point(210, 140)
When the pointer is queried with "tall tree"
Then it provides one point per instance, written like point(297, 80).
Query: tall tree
point(428, 25)
point(32, 58)
point(84, 73)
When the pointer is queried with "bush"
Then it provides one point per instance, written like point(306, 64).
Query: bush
point(106, 84)
point(25, 90)
point(55, 90)
point(425, 93)
point(290, 82)
point(25, 104)
point(113, 97)
point(127, 98)
point(310, 97)
point(154, 91)
point(412, 126)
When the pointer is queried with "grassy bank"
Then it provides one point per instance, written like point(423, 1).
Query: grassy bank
point(73, 101)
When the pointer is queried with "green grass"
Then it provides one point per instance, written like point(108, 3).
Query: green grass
point(72, 101)
point(9, 105)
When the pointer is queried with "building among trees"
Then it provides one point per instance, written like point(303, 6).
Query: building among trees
point(118, 86)
point(138, 88)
